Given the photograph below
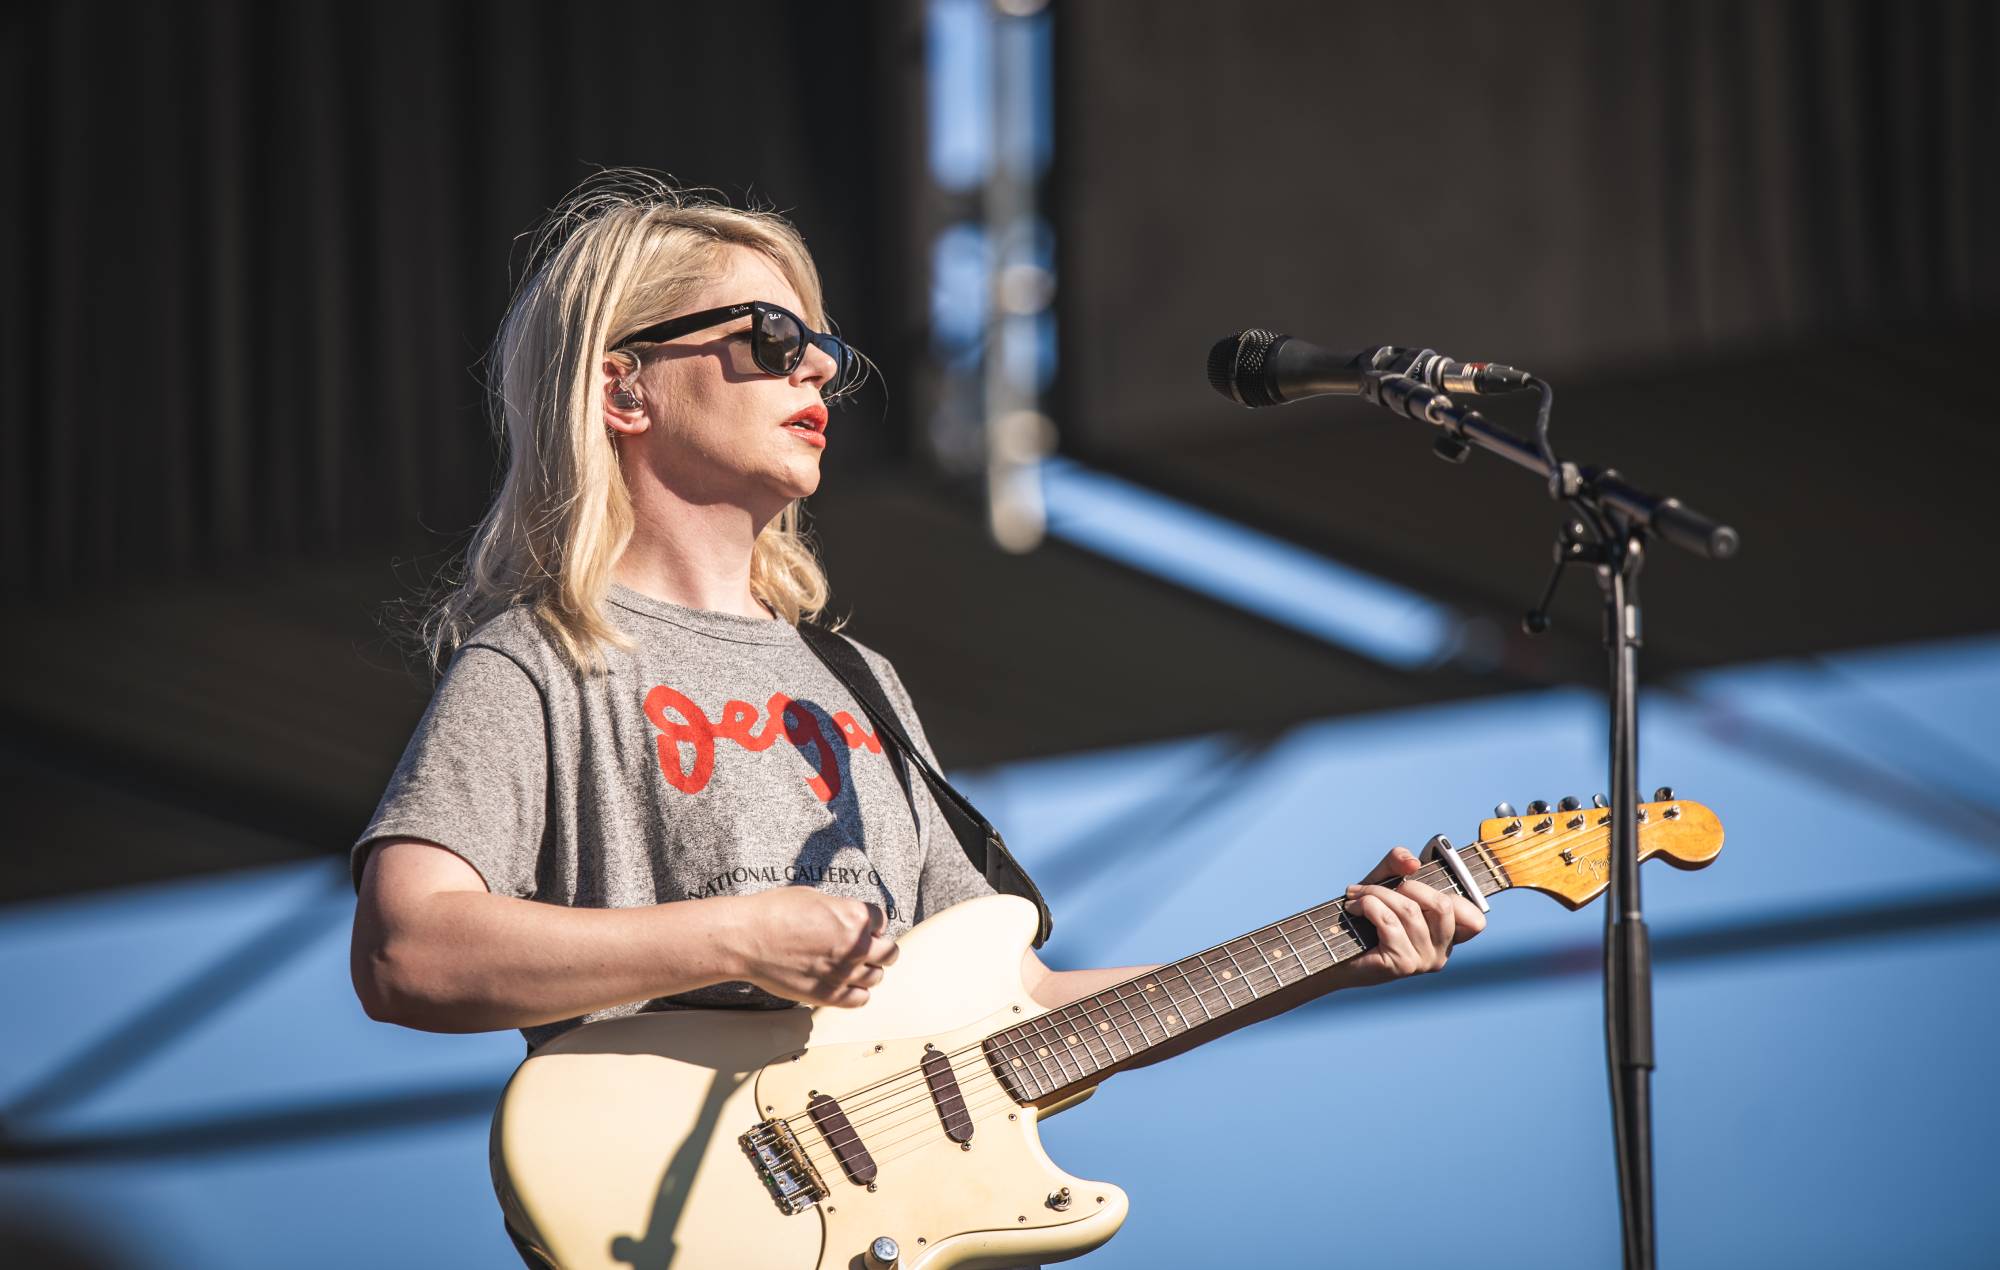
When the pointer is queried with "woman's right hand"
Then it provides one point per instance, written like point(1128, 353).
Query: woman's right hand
point(820, 949)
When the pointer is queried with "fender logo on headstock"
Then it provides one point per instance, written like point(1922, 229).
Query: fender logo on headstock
point(1572, 861)
point(1596, 866)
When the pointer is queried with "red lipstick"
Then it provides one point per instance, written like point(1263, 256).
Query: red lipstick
point(808, 425)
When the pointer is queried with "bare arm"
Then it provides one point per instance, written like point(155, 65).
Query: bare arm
point(433, 949)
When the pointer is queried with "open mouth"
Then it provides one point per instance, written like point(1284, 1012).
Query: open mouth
point(812, 419)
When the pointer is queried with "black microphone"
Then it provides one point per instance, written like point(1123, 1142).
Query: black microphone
point(1262, 368)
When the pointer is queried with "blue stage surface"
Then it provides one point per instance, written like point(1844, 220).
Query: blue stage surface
point(191, 1083)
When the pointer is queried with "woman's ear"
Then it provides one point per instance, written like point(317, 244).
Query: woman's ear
point(624, 406)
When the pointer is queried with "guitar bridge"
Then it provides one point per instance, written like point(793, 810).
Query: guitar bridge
point(783, 1167)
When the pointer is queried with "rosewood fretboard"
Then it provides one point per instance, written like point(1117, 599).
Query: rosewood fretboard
point(1078, 1042)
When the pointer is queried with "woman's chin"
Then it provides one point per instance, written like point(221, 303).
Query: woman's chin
point(803, 478)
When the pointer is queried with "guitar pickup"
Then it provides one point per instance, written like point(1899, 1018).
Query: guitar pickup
point(843, 1138)
point(946, 1094)
point(784, 1169)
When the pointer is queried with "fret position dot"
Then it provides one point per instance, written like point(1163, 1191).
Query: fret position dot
point(1043, 1052)
point(1151, 987)
point(1172, 1021)
point(1229, 974)
point(1019, 1063)
point(1070, 1039)
point(1104, 1027)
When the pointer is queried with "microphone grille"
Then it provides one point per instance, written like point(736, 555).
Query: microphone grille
point(1236, 367)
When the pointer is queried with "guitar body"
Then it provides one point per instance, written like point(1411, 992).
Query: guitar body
point(796, 1139)
point(619, 1144)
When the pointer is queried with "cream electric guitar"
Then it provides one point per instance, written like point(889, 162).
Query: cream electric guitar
point(903, 1133)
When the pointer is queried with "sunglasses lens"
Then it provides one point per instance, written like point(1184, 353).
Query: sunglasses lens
point(778, 342)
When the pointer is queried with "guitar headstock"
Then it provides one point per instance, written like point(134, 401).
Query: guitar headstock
point(1566, 852)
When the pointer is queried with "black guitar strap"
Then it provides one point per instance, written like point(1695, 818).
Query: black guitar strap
point(981, 841)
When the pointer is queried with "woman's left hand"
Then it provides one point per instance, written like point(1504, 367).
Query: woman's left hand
point(1415, 925)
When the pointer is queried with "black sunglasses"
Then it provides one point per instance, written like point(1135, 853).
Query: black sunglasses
point(778, 339)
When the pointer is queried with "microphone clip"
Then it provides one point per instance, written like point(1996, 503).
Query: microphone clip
point(1576, 543)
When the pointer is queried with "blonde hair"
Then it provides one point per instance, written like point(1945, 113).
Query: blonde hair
point(623, 251)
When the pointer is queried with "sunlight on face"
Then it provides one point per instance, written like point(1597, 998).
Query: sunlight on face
point(717, 429)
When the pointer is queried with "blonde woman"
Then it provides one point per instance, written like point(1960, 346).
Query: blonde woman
point(636, 788)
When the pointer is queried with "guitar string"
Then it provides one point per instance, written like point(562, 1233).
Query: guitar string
point(909, 1078)
point(1124, 996)
point(977, 1106)
point(927, 1106)
point(1435, 871)
point(1126, 992)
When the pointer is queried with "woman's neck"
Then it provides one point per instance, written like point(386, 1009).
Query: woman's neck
point(697, 556)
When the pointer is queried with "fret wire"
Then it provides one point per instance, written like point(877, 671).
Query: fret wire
point(1264, 955)
point(1193, 990)
point(1052, 1042)
point(1484, 860)
point(1024, 1054)
point(1130, 1049)
point(1147, 996)
point(1319, 933)
point(1214, 982)
point(1021, 1074)
point(1443, 880)
point(1060, 1078)
point(1492, 865)
point(1347, 924)
point(1222, 984)
point(1431, 875)
point(1087, 1027)
point(1040, 1055)
point(1293, 949)
point(1064, 1061)
point(1120, 998)
point(1062, 1020)
point(1324, 951)
point(1015, 1048)
point(1089, 1031)
point(1237, 966)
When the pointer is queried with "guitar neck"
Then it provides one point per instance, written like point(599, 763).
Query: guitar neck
point(1083, 1041)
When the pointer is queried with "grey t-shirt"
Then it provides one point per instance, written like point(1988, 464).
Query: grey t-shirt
point(718, 756)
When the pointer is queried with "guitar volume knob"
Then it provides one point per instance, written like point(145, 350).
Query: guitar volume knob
point(883, 1254)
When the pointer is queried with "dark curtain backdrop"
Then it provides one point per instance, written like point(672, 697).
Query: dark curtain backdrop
point(1751, 242)
point(253, 251)
point(1576, 186)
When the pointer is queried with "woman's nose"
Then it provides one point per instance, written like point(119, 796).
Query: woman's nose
point(817, 367)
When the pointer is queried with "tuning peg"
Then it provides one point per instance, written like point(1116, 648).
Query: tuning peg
point(1538, 808)
point(1664, 794)
point(1504, 810)
point(1599, 800)
point(1570, 802)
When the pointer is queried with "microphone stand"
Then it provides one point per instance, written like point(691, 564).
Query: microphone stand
point(1607, 527)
